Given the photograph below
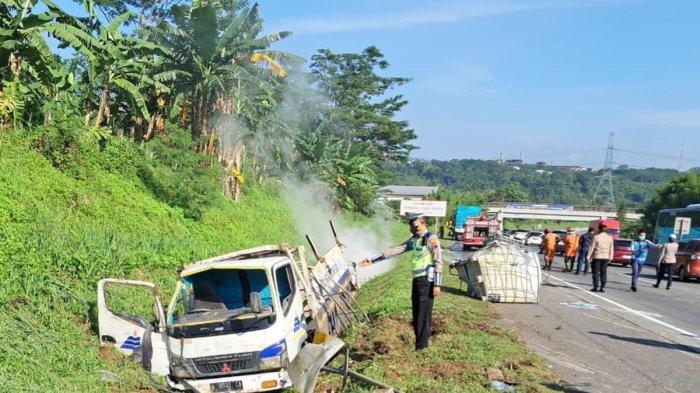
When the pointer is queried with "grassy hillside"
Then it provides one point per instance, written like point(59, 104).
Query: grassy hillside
point(61, 230)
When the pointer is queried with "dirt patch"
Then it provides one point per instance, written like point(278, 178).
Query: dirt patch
point(383, 336)
point(109, 355)
point(380, 347)
point(439, 325)
point(450, 370)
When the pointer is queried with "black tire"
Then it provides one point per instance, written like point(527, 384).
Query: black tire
point(682, 275)
point(465, 247)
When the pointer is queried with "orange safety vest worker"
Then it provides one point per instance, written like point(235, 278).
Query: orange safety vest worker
point(570, 245)
point(549, 243)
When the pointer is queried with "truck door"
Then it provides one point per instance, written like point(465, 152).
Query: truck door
point(291, 303)
point(123, 321)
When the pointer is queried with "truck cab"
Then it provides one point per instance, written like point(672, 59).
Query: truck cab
point(234, 323)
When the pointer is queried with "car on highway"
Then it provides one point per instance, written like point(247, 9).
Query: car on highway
point(622, 251)
point(534, 238)
point(560, 244)
point(520, 235)
point(688, 260)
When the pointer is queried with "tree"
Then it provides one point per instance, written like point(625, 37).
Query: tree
point(228, 73)
point(30, 71)
point(358, 110)
point(122, 63)
point(347, 170)
point(679, 192)
point(511, 192)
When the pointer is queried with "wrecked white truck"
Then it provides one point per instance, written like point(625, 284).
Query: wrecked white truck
point(250, 321)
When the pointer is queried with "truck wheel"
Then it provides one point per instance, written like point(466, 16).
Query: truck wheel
point(682, 275)
point(465, 247)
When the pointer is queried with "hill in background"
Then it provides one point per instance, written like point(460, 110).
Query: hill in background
point(541, 183)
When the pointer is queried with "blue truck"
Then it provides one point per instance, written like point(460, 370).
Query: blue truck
point(461, 215)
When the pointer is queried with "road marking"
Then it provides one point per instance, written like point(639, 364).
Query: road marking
point(623, 307)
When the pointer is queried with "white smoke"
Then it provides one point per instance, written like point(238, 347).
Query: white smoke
point(312, 209)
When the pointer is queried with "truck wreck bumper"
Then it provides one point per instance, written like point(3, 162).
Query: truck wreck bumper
point(261, 382)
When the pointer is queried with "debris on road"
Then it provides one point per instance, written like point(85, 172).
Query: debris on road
point(581, 305)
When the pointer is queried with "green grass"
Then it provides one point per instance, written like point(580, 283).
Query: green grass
point(61, 233)
point(467, 341)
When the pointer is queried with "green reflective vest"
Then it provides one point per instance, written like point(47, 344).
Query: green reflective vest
point(421, 257)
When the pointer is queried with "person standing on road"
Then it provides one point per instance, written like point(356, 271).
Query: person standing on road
point(640, 250)
point(667, 263)
point(584, 244)
point(570, 245)
point(549, 245)
point(600, 254)
point(426, 261)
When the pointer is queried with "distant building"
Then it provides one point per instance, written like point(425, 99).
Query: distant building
point(574, 168)
point(397, 193)
point(541, 163)
point(515, 162)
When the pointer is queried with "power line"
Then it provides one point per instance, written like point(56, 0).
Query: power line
point(667, 157)
point(562, 154)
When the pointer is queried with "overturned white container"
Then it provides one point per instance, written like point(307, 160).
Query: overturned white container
point(502, 272)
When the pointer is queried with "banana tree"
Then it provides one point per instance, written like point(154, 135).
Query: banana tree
point(32, 72)
point(344, 166)
point(125, 64)
point(229, 68)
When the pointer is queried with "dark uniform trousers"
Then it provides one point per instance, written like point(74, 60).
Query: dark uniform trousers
point(422, 304)
point(600, 273)
point(665, 268)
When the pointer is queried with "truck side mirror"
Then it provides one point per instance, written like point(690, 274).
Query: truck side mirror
point(255, 303)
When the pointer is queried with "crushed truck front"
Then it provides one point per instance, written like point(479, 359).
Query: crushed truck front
point(235, 325)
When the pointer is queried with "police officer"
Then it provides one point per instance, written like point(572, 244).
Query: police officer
point(426, 262)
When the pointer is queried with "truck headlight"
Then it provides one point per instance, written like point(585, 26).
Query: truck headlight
point(274, 356)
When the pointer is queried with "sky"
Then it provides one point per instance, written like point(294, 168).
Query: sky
point(548, 78)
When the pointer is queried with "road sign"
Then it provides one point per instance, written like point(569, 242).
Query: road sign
point(428, 208)
point(682, 226)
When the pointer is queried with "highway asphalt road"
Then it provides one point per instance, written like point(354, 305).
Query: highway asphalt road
point(617, 341)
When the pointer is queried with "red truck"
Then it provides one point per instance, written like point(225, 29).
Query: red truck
point(478, 229)
point(612, 225)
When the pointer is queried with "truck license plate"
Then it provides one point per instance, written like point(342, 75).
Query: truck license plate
point(626, 257)
point(226, 386)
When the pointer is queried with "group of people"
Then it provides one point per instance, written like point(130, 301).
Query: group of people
point(597, 250)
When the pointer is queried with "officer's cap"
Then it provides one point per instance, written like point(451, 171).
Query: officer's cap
point(413, 216)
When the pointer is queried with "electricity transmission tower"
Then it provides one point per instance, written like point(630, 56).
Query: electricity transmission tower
point(604, 192)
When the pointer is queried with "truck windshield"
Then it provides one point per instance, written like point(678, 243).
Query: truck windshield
point(219, 301)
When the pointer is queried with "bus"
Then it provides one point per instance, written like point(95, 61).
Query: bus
point(666, 221)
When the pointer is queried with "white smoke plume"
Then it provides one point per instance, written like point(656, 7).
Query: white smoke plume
point(312, 209)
